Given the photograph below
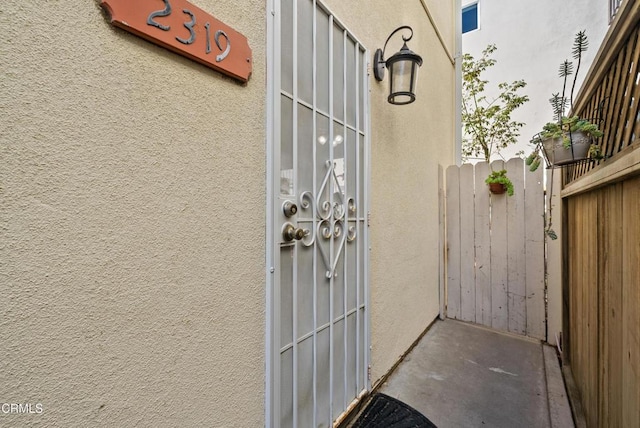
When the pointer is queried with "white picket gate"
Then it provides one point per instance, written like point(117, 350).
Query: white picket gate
point(495, 249)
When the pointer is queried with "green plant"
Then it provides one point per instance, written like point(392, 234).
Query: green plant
point(500, 177)
point(487, 124)
point(595, 152)
point(568, 126)
point(533, 160)
point(563, 126)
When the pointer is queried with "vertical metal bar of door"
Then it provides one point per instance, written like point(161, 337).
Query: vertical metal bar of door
point(294, 286)
point(346, 216)
point(313, 214)
point(358, 213)
point(330, 184)
point(272, 375)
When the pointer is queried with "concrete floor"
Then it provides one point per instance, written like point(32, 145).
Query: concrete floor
point(462, 375)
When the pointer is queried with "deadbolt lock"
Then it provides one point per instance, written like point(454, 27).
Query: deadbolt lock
point(289, 209)
point(292, 233)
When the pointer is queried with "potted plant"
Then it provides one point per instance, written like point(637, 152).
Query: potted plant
point(487, 122)
point(568, 140)
point(499, 182)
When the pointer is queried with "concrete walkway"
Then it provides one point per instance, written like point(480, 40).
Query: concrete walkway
point(462, 375)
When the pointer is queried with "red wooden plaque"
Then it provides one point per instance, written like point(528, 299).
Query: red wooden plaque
point(187, 30)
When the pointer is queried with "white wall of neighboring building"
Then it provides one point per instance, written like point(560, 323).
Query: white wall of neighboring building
point(533, 38)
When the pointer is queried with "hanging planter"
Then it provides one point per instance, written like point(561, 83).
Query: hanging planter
point(499, 183)
point(558, 153)
point(568, 142)
point(497, 188)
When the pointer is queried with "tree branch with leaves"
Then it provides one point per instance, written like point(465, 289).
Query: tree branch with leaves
point(487, 124)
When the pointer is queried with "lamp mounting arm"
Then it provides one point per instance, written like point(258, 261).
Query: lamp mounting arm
point(405, 39)
point(379, 61)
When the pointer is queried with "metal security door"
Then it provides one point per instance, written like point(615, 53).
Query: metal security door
point(318, 311)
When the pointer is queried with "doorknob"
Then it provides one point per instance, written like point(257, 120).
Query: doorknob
point(289, 208)
point(291, 233)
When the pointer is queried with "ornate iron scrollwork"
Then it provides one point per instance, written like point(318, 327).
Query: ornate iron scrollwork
point(329, 219)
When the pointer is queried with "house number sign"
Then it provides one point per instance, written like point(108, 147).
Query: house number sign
point(187, 30)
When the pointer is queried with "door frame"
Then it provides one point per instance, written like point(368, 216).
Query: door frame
point(272, 319)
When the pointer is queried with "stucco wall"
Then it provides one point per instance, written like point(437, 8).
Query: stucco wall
point(407, 144)
point(133, 215)
point(132, 224)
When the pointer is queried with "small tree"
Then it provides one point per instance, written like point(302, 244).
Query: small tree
point(487, 123)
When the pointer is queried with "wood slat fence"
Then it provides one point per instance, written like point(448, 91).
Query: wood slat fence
point(495, 249)
point(601, 341)
point(604, 302)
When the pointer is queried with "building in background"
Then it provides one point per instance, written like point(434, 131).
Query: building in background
point(533, 39)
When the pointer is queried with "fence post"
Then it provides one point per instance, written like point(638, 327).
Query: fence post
point(554, 260)
point(453, 241)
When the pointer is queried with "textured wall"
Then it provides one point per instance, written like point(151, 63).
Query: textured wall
point(407, 145)
point(131, 224)
point(133, 206)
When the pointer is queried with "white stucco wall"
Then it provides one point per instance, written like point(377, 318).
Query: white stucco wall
point(407, 145)
point(533, 38)
point(132, 224)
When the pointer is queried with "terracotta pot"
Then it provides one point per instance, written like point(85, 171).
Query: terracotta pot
point(497, 188)
point(558, 155)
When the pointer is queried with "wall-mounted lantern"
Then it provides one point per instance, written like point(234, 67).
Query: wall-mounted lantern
point(403, 70)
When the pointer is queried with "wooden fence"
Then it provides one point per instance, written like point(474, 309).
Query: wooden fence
point(601, 349)
point(604, 306)
point(495, 249)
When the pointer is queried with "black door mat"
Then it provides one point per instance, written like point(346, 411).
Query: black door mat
point(387, 412)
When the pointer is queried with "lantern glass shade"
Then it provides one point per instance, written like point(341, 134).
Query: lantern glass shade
point(403, 74)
